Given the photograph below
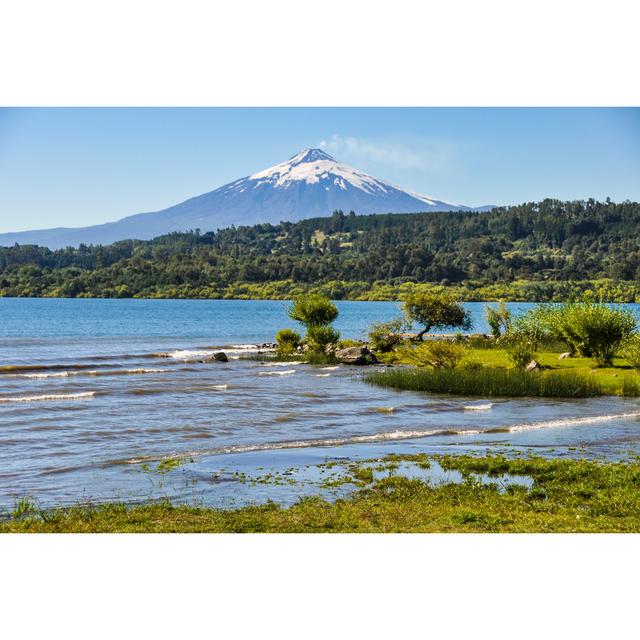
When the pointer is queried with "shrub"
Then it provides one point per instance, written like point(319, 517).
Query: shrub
point(520, 347)
point(631, 351)
point(472, 365)
point(499, 319)
point(313, 310)
point(630, 388)
point(385, 336)
point(287, 341)
point(319, 338)
point(439, 354)
point(435, 311)
point(593, 330)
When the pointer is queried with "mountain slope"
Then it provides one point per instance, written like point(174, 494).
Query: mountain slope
point(309, 184)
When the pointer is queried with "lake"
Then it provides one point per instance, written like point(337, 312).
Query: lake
point(94, 393)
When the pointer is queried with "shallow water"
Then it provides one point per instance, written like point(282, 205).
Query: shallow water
point(91, 391)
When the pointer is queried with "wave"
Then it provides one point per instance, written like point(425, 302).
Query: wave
point(289, 372)
point(292, 363)
point(12, 368)
point(384, 436)
point(485, 406)
point(572, 422)
point(322, 375)
point(219, 387)
point(67, 374)
point(329, 368)
point(380, 410)
point(51, 396)
point(186, 354)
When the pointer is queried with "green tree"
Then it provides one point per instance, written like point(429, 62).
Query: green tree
point(499, 319)
point(313, 310)
point(435, 311)
point(316, 312)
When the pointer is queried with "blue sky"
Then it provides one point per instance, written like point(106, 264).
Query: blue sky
point(76, 167)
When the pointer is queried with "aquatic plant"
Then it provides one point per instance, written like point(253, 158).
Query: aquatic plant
point(489, 382)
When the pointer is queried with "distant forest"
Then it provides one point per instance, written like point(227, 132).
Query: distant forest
point(534, 251)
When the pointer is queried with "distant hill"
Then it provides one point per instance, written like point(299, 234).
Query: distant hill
point(309, 184)
point(550, 245)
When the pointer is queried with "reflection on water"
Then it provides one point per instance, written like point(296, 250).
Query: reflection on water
point(80, 416)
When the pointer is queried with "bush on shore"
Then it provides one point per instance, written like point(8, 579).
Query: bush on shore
point(439, 354)
point(384, 337)
point(592, 330)
point(520, 347)
point(287, 342)
point(631, 351)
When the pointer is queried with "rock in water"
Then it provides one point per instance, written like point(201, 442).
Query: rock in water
point(564, 356)
point(356, 355)
point(220, 356)
point(534, 365)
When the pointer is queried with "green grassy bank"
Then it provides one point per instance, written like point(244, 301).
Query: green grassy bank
point(566, 496)
point(494, 375)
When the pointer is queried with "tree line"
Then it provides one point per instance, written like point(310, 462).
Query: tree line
point(548, 244)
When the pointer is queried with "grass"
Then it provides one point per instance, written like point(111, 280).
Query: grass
point(489, 382)
point(566, 496)
point(619, 379)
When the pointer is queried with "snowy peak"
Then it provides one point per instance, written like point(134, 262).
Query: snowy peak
point(314, 166)
point(311, 155)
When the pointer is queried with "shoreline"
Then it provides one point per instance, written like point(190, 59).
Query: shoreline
point(402, 492)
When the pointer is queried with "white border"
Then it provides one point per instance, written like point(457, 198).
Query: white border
point(319, 586)
point(334, 52)
point(284, 52)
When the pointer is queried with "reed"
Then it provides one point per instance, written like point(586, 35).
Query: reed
point(489, 382)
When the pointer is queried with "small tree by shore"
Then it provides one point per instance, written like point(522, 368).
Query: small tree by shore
point(316, 313)
point(498, 319)
point(435, 311)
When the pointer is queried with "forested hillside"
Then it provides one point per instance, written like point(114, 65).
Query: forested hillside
point(532, 251)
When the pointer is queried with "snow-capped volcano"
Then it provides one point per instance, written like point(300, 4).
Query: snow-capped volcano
point(316, 167)
point(310, 184)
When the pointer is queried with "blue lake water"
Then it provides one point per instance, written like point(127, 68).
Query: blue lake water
point(92, 390)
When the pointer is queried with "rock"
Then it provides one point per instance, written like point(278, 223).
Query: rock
point(564, 356)
point(220, 356)
point(534, 365)
point(356, 355)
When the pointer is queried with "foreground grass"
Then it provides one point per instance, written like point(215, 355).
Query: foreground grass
point(567, 496)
